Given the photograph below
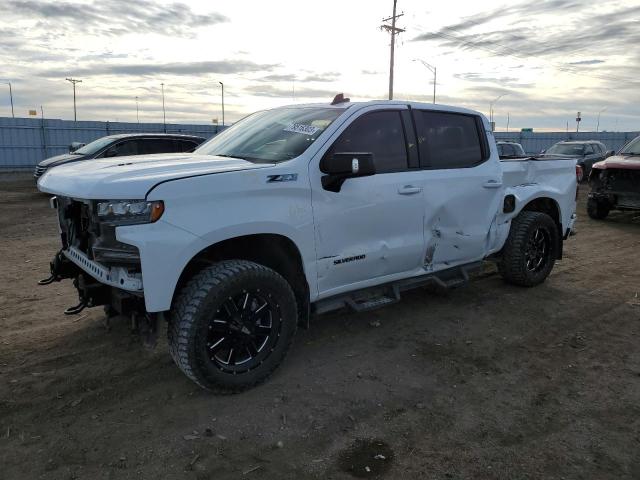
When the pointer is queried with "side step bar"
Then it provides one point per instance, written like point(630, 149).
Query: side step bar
point(387, 294)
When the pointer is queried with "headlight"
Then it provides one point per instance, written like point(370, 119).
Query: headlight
point(127, 212)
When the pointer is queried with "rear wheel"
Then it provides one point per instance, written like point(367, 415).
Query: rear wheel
point(530, 250)
point(232, 325)
point(597, 209)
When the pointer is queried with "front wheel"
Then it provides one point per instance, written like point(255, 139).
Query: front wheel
point(597, 209)
point(530, 250)
point(232, 325)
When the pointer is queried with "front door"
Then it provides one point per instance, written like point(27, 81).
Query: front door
point(371, 231)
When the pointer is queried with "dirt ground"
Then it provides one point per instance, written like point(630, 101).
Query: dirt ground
point(488, 381)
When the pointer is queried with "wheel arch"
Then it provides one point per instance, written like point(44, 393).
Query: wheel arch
point(550, 207)
point(274, 251)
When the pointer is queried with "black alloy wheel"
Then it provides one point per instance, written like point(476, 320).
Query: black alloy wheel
point(232, 324)
point(537, 249)
point(531, 249)
point(243, 331)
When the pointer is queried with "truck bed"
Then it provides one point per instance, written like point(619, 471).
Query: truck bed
point(532, 170)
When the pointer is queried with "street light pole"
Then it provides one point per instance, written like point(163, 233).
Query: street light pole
point(137, 110)
point(495, 100)
point(74, 81)
point(434, 71)
point(164, 113)
point(222, 85)
point(598, 126)
point(11, 98)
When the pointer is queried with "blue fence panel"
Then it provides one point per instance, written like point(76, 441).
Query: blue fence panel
point(26, 141)
point(535, 142)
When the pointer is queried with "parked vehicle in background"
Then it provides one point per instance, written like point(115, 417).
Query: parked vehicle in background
point(507, 149)
point(586, 153)
point(121, 145)
point(615, 182)
point(300, 210)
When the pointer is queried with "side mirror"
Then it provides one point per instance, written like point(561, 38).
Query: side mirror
point(75, 146)
point(542, 151)
point(341, 166)
point(611, 153)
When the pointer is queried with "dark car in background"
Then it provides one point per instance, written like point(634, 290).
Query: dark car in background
point(507, 149)
point(124, 144)
point(586, 152)
point(615, 182)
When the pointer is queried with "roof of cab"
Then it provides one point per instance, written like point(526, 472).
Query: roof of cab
point(154, 135)
point(360, 105)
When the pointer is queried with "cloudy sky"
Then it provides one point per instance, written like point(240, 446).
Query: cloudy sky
point(548, 58)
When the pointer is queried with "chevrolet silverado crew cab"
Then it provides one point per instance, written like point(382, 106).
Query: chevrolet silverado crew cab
point(296, 211)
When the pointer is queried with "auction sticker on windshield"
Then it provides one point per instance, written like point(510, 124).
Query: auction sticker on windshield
point(301, 128)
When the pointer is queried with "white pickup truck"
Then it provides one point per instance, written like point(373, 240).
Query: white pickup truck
point(296, 211)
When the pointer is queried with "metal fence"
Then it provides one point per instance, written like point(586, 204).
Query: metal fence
point(26, 141)
point(535, 142)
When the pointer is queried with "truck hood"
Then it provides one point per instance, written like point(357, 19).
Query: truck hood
point(132, 177)
point(619, 161)
point(60, 159)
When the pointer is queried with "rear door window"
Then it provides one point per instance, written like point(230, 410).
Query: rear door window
point(180, 146)
point(507, 150)
point(448, 140)
point(588, 150)
point(128, 147)
point(380, 133)
point(157, 145)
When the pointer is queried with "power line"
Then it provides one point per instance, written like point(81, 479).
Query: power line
point(393, 30)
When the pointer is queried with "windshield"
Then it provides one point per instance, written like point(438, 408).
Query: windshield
point(631, 148)
point(272, 135)
point(567, 149)
point(93, 147)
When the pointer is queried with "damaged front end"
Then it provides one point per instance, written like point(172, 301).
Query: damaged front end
point(615, 188)
point(104, 270)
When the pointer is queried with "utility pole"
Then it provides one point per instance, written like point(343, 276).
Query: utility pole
point(222, 85)
point(74, 81)
point(164, 113)
point(10, 97)
point(433, 70)
point(578, 120)
point(508, 119)
point(393, 30)
point(137, 110)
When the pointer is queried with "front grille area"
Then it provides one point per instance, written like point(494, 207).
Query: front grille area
point(82, 229)
point(621, 180)
point(39, 171)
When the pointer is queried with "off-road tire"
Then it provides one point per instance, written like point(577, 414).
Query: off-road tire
point(597, 209)
point(193, 310)
point(513, 265)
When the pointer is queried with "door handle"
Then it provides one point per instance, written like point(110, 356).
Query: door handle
point(492, 184)
point(409, 190)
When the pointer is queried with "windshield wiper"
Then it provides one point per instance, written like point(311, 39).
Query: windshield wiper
point(630, 154)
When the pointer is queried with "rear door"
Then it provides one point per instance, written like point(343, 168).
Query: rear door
point(462, 187)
